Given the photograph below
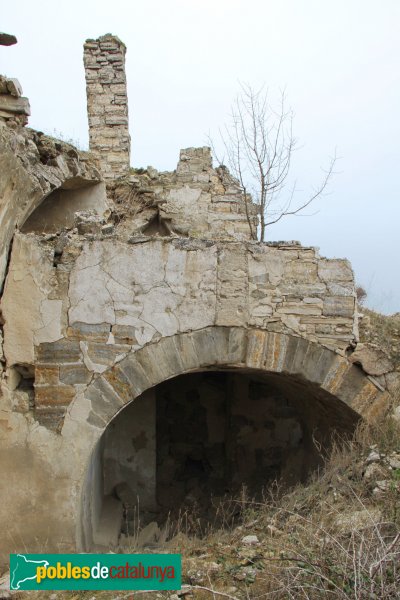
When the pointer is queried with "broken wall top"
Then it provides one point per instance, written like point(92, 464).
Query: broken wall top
point(195, 201)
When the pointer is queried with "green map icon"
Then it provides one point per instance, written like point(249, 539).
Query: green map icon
point(24, 569)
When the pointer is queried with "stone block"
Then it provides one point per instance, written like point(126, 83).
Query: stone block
point(297, 308)
point(14, 105)
point(232, 286)
point(54, 395)
point(341, 289)
point(75, 374)
point(104, 354)
point(351, 384)
point(211, 345)
point(296, 353)
point(170, 355)
point(301, 271)
point(275, 352)
point(62, 351)
point(317, 363)
point(335, 270)
point(46, 374)
point(303, 289)
point(14, 87)
point(185, 348)
point(135, 375)
point(98, 332)
point(256, 343)
point(116, 120)
point(290, 353)
point(50, 417)
point(124, 334)
point(339, 306)
point(373, 359)
point(237, 345)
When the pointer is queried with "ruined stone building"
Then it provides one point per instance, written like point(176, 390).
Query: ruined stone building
point(152, 354)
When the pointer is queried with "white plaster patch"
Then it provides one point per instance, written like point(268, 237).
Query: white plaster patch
point(89, 364)
point(30, 317)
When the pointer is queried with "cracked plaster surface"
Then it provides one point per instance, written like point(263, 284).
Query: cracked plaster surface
point(152, 288)
point(30, 316)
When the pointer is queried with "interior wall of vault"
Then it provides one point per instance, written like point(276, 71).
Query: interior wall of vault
point(200, 437)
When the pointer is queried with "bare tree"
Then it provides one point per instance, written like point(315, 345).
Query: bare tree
point(259, 146)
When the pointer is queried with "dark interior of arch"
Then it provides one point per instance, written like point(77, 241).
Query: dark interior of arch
point(199, 438)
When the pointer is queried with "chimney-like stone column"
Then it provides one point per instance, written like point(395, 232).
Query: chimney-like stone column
point(107, 105)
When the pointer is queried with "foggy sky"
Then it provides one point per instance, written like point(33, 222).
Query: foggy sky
point(338, 61)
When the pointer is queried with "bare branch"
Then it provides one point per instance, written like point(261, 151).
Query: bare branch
point(259, 145)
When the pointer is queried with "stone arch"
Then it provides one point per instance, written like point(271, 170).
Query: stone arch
point(235, 347)
point(219, 348)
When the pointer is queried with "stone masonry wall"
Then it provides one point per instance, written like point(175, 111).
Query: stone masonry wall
point(14, 108)
point(106, 297)
point(32, 165)
point(107, 105)
point(196, 200)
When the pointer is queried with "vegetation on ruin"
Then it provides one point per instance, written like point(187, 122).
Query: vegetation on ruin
point(258, 145)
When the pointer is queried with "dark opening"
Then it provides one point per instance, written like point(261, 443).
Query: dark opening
point(198, 439)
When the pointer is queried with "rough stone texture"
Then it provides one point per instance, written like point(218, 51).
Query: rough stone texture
point(194, 201)
point(58, 210)
point(103, 298)
point(31, 166)
point(107, 103)
point(14, 109)
point(98, 291)
point(373, 360)
point(28, 302)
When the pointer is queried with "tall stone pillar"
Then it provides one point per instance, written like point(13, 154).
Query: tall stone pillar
point(107, 105)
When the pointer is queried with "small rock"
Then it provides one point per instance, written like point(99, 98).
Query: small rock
point(148, 534)
point(14, 87)
point(373, 457)
point(394, 461)
point(373, 359)
point(274, 530)
point(87, 222)
point(213, 567)
point(358, 519)
point(374, 472)
point(381, 486)
point(152, 172)
point(197, 576)
point(107, 229)
point(247, 573)
point(250, 540)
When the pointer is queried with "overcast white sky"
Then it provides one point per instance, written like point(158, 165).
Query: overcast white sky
point(338, 60)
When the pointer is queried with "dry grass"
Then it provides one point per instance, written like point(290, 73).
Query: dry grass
point(334, 538)
point(382, 330)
